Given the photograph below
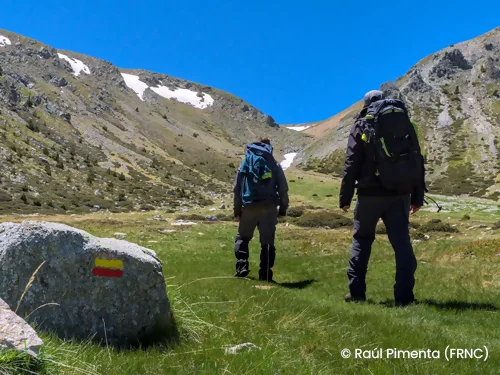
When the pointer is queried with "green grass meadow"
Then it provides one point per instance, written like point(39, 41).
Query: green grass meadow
point(302, 324)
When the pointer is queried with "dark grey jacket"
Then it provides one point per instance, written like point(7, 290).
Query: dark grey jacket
point(280, 198)
point(359, 170)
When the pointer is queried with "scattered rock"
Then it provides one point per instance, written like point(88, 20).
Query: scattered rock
point(15, 333)
point(213, 209)
point(212, 218)
point(184, 209)
point(97, 192)
point(241, 347)
point(59, 81)
point(167, 231)
point(222, 245)
point(426, 237)
point(222, 207)
point(120, 235)
point(105, 288)
point(479, 226)
point(180, 223)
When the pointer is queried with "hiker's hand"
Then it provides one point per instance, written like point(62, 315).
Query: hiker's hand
point(346, 208)
point(414, 209)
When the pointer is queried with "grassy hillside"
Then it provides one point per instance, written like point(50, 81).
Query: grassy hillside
point(302, 323)
point(78, 142)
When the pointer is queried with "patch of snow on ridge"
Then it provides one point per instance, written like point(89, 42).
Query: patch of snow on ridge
point(182, 95)
point(133, 82)
point(285, 164)
point(4, 41)
point(77, 65)
point(298, 128)
point(185, 96)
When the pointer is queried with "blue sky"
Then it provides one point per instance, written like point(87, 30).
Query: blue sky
point(298, 61)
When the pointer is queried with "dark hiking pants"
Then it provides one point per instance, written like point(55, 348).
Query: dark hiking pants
point(394, 212)
point(263, 216)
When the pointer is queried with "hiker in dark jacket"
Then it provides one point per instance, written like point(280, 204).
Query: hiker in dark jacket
point(259, 188)
point(375, 201)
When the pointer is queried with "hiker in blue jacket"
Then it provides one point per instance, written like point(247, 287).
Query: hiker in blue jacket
point(259, 188)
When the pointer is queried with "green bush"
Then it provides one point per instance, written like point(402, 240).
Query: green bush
point(295, 211)
point(496, 225)
point(191, 217)
point(465, 217)
point(322, 219)
point(436, 225)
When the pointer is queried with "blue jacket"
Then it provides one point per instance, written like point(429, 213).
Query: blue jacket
point(259, 164)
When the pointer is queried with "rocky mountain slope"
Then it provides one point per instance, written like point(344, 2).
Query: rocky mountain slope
point(78, 133)
point(454, 96)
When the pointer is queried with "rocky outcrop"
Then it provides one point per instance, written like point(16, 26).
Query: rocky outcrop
point(391, 91)
point(85, 286)
point(15, 333)
point(450, 63)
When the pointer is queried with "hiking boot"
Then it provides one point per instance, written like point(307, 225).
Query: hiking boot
point(269, 280)
point(353, 298)
point(242, 273)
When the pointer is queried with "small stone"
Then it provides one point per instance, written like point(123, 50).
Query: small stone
point(167, 231)
point(212, 218)
point(120, 235)
point(222, 207)
point(16, 333)
point(241, 347)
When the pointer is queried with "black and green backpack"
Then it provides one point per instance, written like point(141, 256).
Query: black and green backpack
point(394, 142)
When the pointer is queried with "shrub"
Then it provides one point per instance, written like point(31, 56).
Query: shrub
point(122, 197)
point(436, 225)
point(24, 198)
point(323, 219)
point(496, 225)
point(295, 211)
point(465, 217)
point(37, 203)
point(193, 217)
point(121, 177)
point(47, 170)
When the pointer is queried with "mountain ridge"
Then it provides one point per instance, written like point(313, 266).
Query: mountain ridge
point(79, 140)
point(453, 96)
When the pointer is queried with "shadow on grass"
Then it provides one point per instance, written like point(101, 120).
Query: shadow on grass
point(460, 305)
point(290, 285)
point(298, 284)
point(445, 305)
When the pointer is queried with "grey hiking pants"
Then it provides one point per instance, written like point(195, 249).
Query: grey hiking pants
point(263, 216)
point(394, 211)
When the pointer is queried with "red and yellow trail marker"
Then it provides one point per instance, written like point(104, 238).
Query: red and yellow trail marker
point(108, 267)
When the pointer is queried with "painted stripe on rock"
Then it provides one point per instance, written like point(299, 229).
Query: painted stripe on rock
point(108, 263)
point(106, 272)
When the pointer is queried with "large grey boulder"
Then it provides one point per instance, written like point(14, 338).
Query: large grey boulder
point(104, 288)
point(15, 333)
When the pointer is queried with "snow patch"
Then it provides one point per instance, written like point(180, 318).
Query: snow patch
point(185, 96)
point(285, 164)
point(182, 95)
point(77, 65)
point(298, 128)
point(4, 41)
point(134, 83)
